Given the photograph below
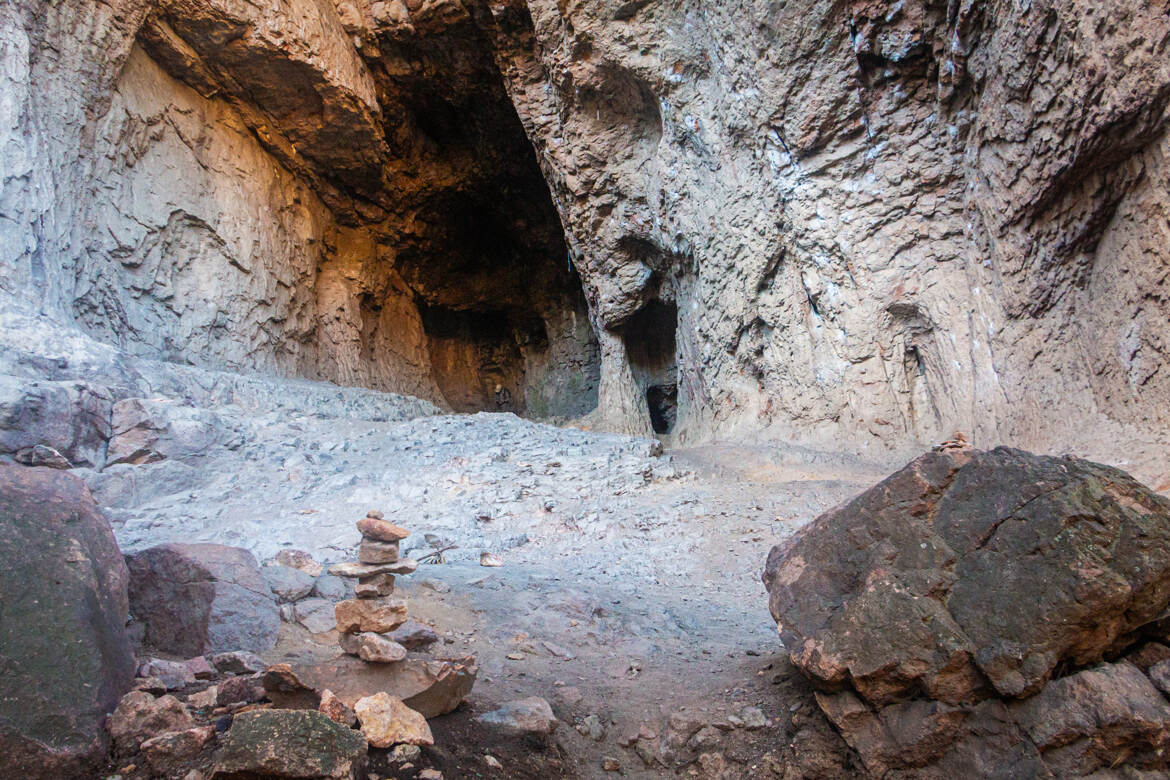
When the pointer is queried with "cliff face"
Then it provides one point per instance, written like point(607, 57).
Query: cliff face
point(870, 222)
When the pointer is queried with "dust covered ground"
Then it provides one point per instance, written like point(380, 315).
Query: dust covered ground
point(629, 597)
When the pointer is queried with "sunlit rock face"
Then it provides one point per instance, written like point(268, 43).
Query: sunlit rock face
point(870, 223)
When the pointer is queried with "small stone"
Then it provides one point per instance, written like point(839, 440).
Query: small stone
point(492, 761)
point(611, 765)
point(336, 710)
point(386, 721)
point(490, 559)
point(140, 716)
point(316, 615)
point(168, 753)
point(238, 662)
point(288, 584)
point(558, 651)
point(372, 648)
point(515, 656)
point(405, 754)
point(753, 718)
point(375, 514)
point(414, 635)
point(373, 587)
point(355, 616)
point(355, 571)
point(240, 690)
point(381, 531)
point(525, 716)
point(200, 667)
point(374, 552)
point(430, 774)
point(152, 685)
point(204, 700)
point(438, 586)
point(173, 674)
point(299, 559)
point(284, 687)
point(330, 587)
point(591, 727)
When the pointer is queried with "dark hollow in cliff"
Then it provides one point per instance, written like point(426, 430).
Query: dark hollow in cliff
point(650, 337)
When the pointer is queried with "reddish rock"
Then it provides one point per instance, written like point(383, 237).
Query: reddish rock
point(244, 689)
point(372, 551)
point(140, 716)
point(336, 710)
point(378, 616)
point(381, 530)
point(173, 753)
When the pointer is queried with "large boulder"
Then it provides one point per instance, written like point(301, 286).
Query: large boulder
point(289, 744)
point(64, 651)
point(932, 612)
point(70, 418)
point(196, 599)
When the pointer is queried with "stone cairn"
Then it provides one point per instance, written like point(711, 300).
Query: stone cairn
point(363, 623)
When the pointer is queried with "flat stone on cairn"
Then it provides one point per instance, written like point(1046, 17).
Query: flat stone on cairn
point(364, 621)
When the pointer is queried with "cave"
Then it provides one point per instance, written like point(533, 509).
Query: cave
point(650, 338)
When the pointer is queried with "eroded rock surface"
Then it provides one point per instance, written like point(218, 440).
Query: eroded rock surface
point(933, 611)
point(870, 222)
point(63, 608)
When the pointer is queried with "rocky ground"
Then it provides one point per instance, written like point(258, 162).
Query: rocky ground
point(630, 590)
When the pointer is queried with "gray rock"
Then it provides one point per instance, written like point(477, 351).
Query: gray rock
point(40, 455)
point(372, 648)
point(524, 716)
point(63, 608)
point(149, 430)
point(69, 418)
point(288, 584)
point(317, 615)
point(1160, 675)
point(414, 635)
point(202, 598)
point(174, 675)
point(331, 587)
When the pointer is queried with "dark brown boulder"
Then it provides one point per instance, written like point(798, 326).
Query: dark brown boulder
point(194, 599)
point(65, 658)
point(968, 573)
point(933, 612)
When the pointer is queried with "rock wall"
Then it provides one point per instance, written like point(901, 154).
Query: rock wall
point(879, 221)
point(873, 222)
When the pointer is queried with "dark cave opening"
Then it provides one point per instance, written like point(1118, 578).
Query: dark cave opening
point(650, 337)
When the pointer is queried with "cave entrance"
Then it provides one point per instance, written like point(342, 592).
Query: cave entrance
point(479, 358)
point(650, 338)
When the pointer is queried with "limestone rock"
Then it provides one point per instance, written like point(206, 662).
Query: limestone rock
point(372, 647)
point(202, 598)
point(524, 716)
point(63, 608)
point(289, 744)
point(894, 591)
point(370, 615)
point(386, 722)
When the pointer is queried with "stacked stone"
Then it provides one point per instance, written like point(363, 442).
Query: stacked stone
point(364, 623)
